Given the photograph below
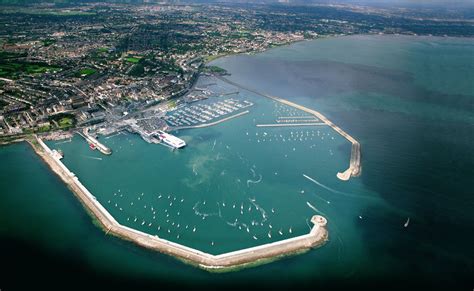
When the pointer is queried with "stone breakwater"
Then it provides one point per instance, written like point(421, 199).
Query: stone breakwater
point(354, 164)
point(222, 262)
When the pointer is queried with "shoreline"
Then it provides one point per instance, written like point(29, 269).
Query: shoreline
point(230, 261)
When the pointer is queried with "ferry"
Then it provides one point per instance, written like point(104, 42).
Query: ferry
point(171, 140)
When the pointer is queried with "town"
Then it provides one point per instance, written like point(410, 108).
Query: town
point(68, 67)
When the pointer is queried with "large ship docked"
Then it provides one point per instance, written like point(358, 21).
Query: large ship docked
point(171, 140)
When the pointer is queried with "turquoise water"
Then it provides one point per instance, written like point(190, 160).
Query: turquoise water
point(235, 185)
point(407, 100)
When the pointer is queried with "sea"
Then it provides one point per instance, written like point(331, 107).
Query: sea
point(407, 218)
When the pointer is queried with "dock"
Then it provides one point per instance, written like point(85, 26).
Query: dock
point(92, 140)
point(223, 262)
point(211, 123)
point(354, 163)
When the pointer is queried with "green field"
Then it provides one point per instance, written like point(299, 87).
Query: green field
point(13, 69)
point(215, 69)
point(209, 59)
point(87, 72)
point(44, 128)
point(66, 122)
point(133, 60)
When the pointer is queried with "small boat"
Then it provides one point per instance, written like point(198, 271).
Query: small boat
point(92, 146)
point(407, 222)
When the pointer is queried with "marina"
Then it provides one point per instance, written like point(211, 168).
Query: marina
point(355, 167)
point(204, 113)
point(174, 194)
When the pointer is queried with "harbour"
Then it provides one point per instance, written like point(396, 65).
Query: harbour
point(237, 259)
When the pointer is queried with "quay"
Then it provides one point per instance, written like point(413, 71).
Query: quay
point(92, 140)
point(354, 169)
point(223, 262)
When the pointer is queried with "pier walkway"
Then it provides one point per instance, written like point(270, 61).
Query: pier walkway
point(227, 261)
point(210, 123)
point(89, 138)
point(354, 164)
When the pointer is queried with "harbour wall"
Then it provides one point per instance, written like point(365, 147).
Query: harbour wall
point(354, 163)
point(222, 262)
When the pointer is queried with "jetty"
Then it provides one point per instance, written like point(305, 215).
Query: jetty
point(354, 163)
point(223, 262)
point(211, 123)
point(93, 141)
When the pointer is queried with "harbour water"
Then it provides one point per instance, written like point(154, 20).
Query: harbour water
point(234, 186)
point(407, 100)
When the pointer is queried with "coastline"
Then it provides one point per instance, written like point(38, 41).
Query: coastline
point(214, 58)
point(230, 261)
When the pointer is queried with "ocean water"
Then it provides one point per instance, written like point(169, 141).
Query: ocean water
point(235, 185)
point(407, 100)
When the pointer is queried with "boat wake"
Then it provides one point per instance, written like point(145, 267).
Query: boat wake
point(314, 208)
point(335, 191)
point(214, 145)
point(322, 185)
point(254, 181)
point(65, 141)
point(93, 158)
